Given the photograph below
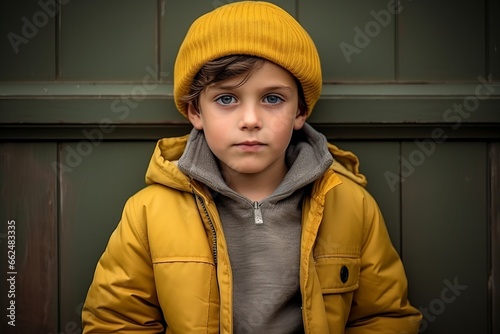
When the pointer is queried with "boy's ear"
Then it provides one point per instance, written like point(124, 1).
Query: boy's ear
point(194, 117)
point(300, 119)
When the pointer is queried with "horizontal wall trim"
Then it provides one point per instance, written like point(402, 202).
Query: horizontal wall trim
point(162, 90)
point(455, 112)
point(88, 90)
point(96, 133)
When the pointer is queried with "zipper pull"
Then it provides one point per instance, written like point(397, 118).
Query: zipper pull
point(257, 213)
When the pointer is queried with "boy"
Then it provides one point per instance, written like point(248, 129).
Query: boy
point(253, 223)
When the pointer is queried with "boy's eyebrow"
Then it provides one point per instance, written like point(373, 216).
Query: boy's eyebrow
point(233, 87)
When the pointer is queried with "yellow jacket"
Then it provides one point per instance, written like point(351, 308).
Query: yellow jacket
point(166, 267)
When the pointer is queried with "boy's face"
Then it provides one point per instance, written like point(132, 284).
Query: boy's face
point(248, 127)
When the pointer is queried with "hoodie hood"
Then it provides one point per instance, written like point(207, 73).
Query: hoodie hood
point(163, 167)
point(347, 163)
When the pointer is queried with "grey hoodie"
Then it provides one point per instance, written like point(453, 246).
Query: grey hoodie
point(263, 237)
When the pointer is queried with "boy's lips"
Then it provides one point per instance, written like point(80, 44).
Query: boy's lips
point(250, 145)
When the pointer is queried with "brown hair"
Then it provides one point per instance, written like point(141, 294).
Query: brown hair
point(228, 67)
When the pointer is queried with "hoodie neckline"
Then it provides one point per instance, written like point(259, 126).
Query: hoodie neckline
point(307, 158)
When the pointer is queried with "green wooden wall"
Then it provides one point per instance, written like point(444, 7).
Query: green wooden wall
point(411, 86)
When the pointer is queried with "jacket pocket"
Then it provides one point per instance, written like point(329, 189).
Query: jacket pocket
point(338, 274)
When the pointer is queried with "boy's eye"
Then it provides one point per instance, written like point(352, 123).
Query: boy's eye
point(225, 99)
point(273, 99)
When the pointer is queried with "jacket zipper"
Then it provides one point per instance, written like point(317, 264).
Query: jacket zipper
point(212, 227)
point(257, 213)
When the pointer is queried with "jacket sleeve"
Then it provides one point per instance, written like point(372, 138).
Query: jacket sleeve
point(380, 304)
point(122, 296)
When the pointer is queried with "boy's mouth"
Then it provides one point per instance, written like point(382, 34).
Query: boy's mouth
point(250, 145)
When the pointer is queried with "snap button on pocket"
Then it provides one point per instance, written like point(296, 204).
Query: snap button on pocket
point(338, 274)
point(344, 274)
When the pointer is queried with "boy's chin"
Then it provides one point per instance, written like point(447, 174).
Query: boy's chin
point(243, 170)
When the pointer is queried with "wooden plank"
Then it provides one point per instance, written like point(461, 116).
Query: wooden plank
point(445, 234)
point(90, 111)
point(355, 39)
point(90, 133)
point(494, 40)
point(449, 45)
point(405, 110)
point(495, 234)
point(26, 28)
point(94, 191)
point(28, 202)
point(118, 45)
point(366, 111)
point(155, 131)
point(376, 160)
point(407, 131)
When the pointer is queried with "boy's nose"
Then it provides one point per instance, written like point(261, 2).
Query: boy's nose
point(250, 118)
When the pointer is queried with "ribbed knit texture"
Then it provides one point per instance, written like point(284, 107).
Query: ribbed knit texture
point(251, 28)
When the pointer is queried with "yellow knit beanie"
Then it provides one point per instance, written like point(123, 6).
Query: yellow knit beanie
point(251, 28)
